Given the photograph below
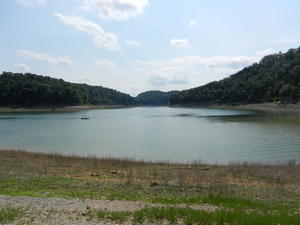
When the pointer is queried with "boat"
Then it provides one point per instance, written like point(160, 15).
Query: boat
point(85, 117)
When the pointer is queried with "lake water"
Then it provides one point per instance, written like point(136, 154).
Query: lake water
point(158, 133)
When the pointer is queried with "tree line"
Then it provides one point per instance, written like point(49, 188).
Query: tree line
point(155, 98)
point(28, 89)
point(276, 78)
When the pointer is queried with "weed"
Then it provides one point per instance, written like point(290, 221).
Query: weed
point(10, 214)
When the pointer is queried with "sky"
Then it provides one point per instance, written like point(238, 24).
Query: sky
point(138, 45)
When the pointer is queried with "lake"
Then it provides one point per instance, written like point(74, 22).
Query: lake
point(158, 133)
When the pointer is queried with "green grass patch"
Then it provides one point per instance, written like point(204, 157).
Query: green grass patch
point(10, 214)
point(171, 199)
point(241, 203)
point(190, 216)
point(76, 188)
point(48, 187)
point(68, 188)
point(119, 217)
point(225, 201)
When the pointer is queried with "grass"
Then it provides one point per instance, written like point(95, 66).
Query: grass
point(23, 173)
point(114, 216)
point(10, 214)
point(247, 189)
point(174, 215)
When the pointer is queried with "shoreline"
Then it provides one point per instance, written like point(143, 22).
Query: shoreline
point(132, 160)
point(60, 108)
point(267, 107)
point(271, 107)
point(38, 188)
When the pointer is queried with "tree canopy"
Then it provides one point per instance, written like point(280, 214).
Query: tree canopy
point(275, 78)
point(155, 98)
point(19, 89)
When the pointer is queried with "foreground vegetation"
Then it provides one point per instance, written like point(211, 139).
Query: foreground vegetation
point(247, 193)
point(175, 215)
point(10, 214)
point(275, 78)
point(26, 90)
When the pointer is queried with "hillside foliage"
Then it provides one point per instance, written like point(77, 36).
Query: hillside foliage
point(19, 89)
point(275, 78)
point(155, 98)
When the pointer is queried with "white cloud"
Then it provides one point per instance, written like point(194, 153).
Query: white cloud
point(101, 39)
point(116, 9)
point(23, 67)
point(217, 61)
point(168, 75)
point(104, 63)
point(179, 79)
point(286, 41)
point(131, 43)
point(145, 63)
point(180, 43)
point(180, 71)
point(31, 3)
point(41, 57)
point(107, 41)
point(265, 52)
point(157, 80)
point(192, 23)
point(237, 62)
point(234, 62)
point(183, 72)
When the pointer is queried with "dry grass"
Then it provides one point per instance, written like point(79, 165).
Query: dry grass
point(130, 170)
point(254, 193)
point(249, 180)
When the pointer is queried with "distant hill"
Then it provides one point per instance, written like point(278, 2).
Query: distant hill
point(155, 98)
point(17, 89)
point(275, 78)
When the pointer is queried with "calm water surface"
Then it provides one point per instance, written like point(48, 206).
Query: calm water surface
point(158, 133)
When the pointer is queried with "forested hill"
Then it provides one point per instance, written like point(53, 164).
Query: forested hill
point(275, 78)
point(17, 89)
point(155, 98)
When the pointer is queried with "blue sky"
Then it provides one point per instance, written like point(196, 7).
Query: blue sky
point(138, 45)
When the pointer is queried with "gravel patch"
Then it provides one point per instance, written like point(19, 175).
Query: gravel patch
point(61, 204)
point(72, 211)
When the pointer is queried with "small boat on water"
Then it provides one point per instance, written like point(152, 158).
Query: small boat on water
point(85, 117)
